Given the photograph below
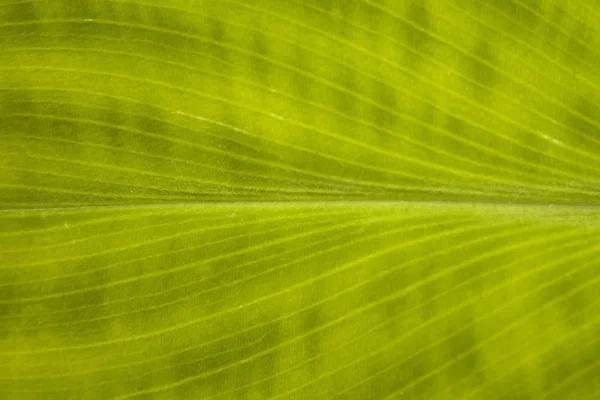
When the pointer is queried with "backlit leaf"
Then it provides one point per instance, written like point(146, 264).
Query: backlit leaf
point(299, 199)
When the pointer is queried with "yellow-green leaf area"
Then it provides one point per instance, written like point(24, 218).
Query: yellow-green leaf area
point(299, 199)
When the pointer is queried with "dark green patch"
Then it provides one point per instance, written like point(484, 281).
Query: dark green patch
point(217, 33)
point(19, 12)
point(109, 114)
point(579, 52)
point(346, 102)
point(585, 118)
point(455, 127)
point(261, 67)
point(420, 22)
point(415, 30)
point(325, 5)
point(312, 319)
point(264, 366)
point(383, 115)
point(557, 368)
point(482, 62)
point(93, 299)
point(76, 9)
point(461, 349)
point(301, 85)
point(521, 17)
point(552, 29)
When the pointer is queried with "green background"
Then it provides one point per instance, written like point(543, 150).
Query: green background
point(299, 199)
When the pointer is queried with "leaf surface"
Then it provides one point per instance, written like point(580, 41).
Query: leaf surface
point(300, 199)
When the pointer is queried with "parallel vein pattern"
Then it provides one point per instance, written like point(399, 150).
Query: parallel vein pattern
point(299, 199)
point(297, 301)
point(117, 101)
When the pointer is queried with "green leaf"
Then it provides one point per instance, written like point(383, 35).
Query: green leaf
point(299, 199)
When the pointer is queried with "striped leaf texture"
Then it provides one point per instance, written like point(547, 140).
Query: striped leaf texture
point(299, 199)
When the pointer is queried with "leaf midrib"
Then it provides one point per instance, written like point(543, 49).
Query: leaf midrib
point(354, 203)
